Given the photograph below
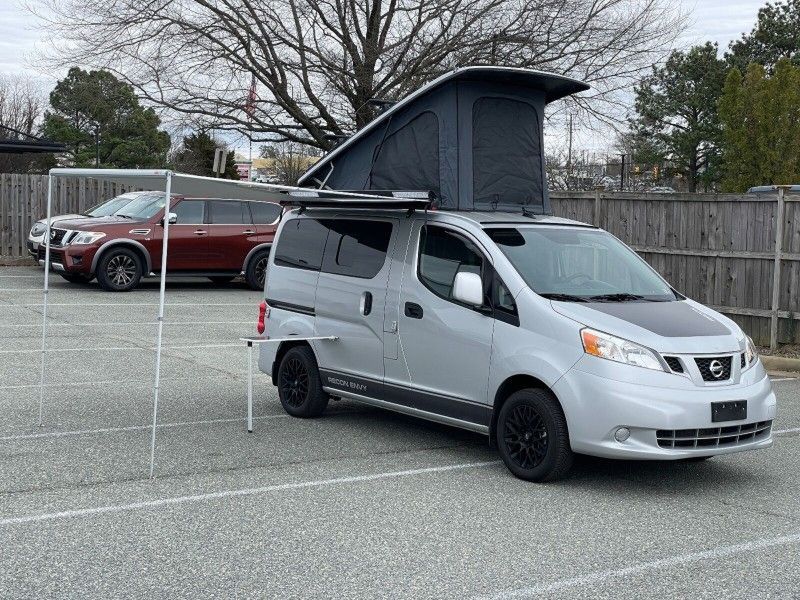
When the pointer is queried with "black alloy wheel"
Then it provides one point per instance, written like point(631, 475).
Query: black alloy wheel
point(532, 436)
point(525, 436)
point(299, 384)
point(121, 270)
point(294, 382)
point(261, 270)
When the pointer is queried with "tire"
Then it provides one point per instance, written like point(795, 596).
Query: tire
point(119, 270)
point(299, 384)
point(77, 277)
point(222, 279)
point(255, 273)
point(532, 436)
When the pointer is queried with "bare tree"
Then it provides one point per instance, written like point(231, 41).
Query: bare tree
point(21, 108)
point(290, 160)
point(316, 63)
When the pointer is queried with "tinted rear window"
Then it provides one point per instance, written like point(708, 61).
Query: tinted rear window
point(265, 213)
point(356, 248)
point(301, 244)
point(228, 212)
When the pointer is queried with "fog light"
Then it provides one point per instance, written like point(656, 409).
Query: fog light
point(622, 434)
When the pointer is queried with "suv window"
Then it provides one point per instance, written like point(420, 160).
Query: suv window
point(228, 212)
point(301, 244)
point(442, 254)
point(356, 248)
point(190, 212)
point(265, 213)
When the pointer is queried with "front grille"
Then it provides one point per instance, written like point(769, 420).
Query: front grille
point(674, 363)
point(704, 364)
point(713, 437)
point(57, 236)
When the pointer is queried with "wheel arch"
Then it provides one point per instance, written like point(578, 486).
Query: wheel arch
point(252, 253)
point(126, 243)
point(511, 385)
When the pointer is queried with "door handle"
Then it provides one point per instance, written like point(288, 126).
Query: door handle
point(200, 232)
point(366, 303)
point(248, 232)
point(413, 310)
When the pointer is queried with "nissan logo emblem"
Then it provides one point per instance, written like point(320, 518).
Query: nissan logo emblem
point(716, 368)
point(52, 234)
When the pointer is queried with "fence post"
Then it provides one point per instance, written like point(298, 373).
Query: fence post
point(776, 271)
point(597, 216)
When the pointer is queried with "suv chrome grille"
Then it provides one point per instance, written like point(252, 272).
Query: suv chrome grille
point(712, 437)
point(714, 368)
point(674, 363)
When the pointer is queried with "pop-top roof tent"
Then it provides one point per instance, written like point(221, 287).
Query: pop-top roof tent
point(474, 137)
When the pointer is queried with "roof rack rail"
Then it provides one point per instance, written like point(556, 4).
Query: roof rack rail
point(388, 199)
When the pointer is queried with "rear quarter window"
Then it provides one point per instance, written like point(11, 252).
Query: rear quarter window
point(265, 213)
point(301, 244)
point(356, 248)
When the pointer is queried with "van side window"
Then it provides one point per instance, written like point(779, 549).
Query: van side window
point(356, 248)
point(442, 254)
point(190, 212)
point(301, 244)
point(228, 212)
point(265, 213)
point(505, 309)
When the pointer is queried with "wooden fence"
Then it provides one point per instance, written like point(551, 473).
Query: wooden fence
point(719, 249)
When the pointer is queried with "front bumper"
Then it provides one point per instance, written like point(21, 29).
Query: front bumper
point(596, 406)
point(68, 259)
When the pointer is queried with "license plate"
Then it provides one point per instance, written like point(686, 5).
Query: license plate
point(733, 410)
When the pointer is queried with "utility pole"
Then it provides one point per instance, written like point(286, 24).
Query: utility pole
point(622, 173)
point(97, 145)
point(569, 154)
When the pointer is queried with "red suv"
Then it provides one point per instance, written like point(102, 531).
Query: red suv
point(210, 237)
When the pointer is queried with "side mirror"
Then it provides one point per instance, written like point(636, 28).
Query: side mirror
point(468, 288)
point(173, 218)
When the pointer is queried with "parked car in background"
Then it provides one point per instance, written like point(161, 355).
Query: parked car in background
point(661, 189)
point(768, 189)
point(109, 207)
point(210, 237)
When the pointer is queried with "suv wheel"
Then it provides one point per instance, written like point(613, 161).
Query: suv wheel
point(299, 385)
point(256, 271)
point(119, 270)
point(532, 436)
point(77, 277)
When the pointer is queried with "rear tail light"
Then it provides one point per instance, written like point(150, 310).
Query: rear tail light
point(263, 313)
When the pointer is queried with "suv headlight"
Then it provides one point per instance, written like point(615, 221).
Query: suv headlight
point(38, 229)
point(750, 353)
point(604, 345)
point(87, 237)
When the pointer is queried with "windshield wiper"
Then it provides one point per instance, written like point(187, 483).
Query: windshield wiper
point(623, 297)
point(563, 297)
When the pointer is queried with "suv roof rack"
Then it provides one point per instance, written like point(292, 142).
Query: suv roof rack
point(388, 199)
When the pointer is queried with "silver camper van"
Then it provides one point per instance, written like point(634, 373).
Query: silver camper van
point(548, 335)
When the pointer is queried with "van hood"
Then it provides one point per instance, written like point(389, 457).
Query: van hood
point(680, 326)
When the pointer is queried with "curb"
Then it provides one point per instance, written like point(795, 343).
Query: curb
point(781, 363)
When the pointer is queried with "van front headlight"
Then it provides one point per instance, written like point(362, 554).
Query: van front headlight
point(604, 345)
point(750, 353)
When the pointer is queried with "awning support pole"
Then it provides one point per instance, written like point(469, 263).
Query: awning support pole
point(162, 292)
point(44, 299)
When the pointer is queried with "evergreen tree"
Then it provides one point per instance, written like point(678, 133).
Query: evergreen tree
point(196, 156)
point(775, 36)
point(760, 118)
point(100, 120)
point(677, 119)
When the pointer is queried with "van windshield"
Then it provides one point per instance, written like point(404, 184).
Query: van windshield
point(580, 265)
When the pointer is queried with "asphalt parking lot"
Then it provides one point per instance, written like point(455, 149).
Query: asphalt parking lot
point(359, 503)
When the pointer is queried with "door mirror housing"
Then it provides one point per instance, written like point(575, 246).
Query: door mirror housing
point(468, 288)
point(173, 218)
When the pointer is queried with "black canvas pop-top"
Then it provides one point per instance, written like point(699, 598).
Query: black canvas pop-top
point(473, 137)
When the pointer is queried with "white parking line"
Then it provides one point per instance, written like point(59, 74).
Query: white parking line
point(785, 431)
point(162, 502)
point(101, 324)
point(122, 348)
point(662, 563)
point(125, 305)
point(58, 434)
point(114, 381)
point(784, 379)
